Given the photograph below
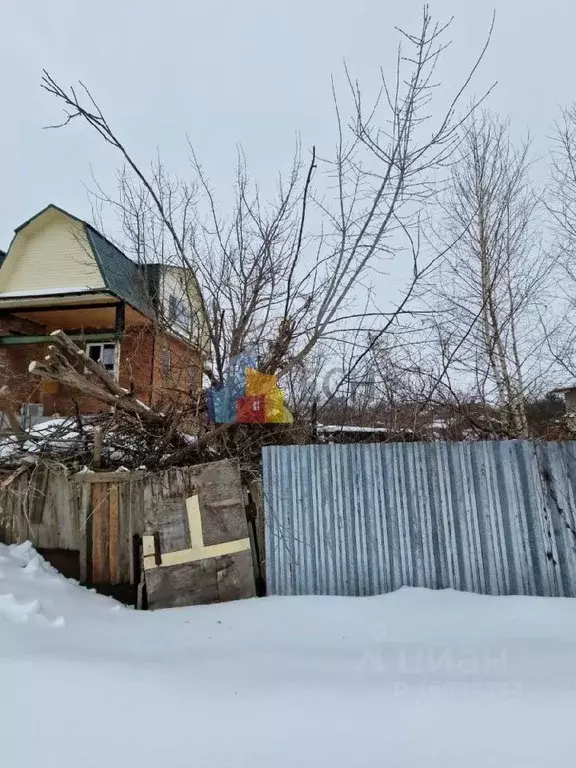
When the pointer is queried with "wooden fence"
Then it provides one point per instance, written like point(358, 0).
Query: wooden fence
point(39, 504)
point(97, 517)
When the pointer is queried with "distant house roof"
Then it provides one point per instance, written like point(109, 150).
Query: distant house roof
point(333, 428)
point(121, 275)
point(2, 257)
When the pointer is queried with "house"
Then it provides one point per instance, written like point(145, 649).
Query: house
point(569, 393)
point(141, 322)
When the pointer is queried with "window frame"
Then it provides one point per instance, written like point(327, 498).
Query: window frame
point(102, 344)
point(179, 312)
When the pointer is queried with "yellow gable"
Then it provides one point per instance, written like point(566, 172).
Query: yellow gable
point(49, 253)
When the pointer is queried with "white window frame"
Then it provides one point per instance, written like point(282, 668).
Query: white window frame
point(115, 365)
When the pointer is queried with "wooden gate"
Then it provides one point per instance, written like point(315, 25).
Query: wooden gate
point(110, 516)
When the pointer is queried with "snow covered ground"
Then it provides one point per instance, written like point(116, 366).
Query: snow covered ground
point(414, 678)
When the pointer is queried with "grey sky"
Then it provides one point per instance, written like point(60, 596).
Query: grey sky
point(252, 72)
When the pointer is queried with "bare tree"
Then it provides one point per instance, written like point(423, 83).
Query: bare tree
point(561, 205)
point(490, 283)
point(269, 275)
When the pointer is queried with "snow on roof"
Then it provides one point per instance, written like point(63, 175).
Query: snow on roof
point(439, 424)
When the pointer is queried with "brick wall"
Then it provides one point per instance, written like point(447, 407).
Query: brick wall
point(136, 362)
point(159, 369)
point(177, 374)
point(14, 360)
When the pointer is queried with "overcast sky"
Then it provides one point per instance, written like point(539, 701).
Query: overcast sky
point(252, 72)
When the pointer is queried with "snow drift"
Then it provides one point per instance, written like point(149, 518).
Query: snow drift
point(413, 678)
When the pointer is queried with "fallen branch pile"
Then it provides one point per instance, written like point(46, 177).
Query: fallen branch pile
point(129, 434)
point(93, 381)
point(101, 441)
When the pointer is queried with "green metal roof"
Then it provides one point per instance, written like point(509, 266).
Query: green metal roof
point(121, 275)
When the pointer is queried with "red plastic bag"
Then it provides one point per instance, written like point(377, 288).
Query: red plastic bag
point(250, 410)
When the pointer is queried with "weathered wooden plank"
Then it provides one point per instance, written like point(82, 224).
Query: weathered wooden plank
point(55, 514)
point(114, 544)
point(37, 491)
point(148, 503)
point(106, 477)
point(137, 507)
point(191, 580)
point(96, 525)
point(136, 523)
point(235, 577)
point(255, 488)
point(10, 512)
point(18, 499)
point(3, 517)
point(124, 546)
point(180, 585)
point(222, 503)
point(15, 498)
point(85, 533)
point(100, 554)
point(73, 494)
point(62, 506)
point(25, 530)
point(171, 523)
point(9, 509)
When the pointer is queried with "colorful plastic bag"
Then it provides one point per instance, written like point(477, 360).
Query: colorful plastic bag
point(250, 410)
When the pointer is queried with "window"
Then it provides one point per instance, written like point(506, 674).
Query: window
point(179, 311)
point(105, 354)
point(166, 362)
point(172, 307)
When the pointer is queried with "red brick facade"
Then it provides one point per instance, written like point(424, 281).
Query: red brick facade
point(158, 368)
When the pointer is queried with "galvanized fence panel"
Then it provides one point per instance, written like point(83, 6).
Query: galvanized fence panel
point(493, 517)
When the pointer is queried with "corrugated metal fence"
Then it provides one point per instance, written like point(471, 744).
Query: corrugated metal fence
point(494, 517)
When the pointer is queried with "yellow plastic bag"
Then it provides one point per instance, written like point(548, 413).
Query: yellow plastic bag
point(275, 412)
point(259, 383)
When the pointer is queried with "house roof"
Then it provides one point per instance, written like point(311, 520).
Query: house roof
point(121, 275)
